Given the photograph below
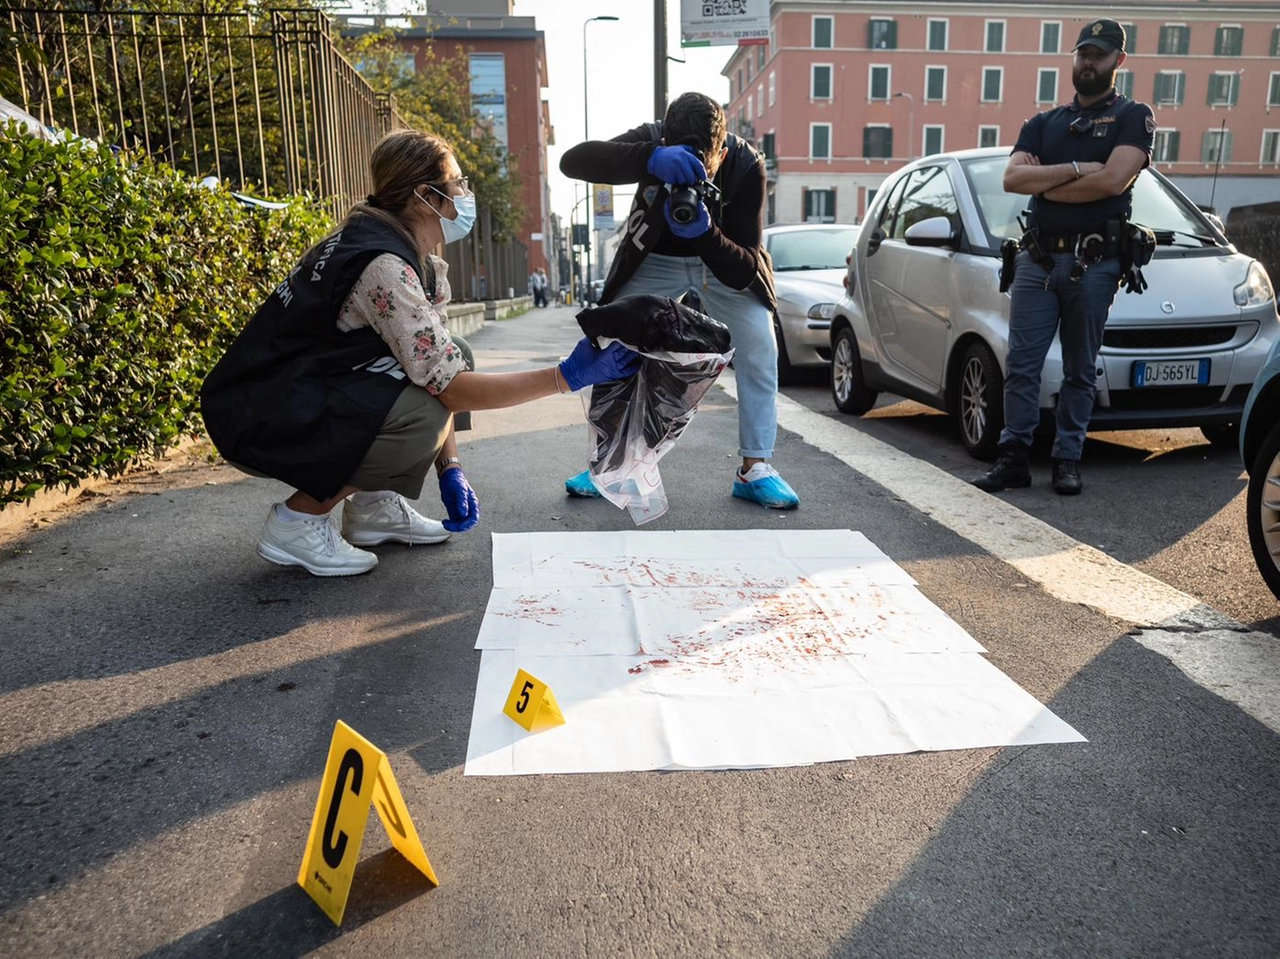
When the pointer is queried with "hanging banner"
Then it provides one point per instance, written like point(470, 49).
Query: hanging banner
point(714, 23)
point(602, 205)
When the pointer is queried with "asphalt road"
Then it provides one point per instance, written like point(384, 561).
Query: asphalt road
point(166, 702)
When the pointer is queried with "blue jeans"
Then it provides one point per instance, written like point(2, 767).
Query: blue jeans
point(1039, 301)
point(755, 357)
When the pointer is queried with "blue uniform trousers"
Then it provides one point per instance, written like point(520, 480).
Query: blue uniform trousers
point(755, 357)
point(1044, 304)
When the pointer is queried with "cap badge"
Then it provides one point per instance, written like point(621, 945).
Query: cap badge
point(1097, 29)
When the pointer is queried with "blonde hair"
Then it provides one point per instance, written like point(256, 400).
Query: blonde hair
point(399, 162)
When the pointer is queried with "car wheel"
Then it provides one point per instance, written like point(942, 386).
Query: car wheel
point(1224, 437)
point(847, 386)
point(786, 372)
point(980, 401)
point(1264, 509)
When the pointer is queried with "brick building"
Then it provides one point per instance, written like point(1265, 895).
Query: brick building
point(507, 62)
point(848, 90)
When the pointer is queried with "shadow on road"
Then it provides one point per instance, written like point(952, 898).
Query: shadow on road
point(1145, 842)
point(287, 923)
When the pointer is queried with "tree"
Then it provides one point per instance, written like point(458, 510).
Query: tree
point(435, 95)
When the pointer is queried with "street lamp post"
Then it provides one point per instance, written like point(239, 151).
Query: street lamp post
point(580, 284)
point(586, 131)
point(911, 124)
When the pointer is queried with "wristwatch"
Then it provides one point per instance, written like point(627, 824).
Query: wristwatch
point(444, 464)
point(1076, 166)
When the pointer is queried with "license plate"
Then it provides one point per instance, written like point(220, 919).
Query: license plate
point(1171, 373)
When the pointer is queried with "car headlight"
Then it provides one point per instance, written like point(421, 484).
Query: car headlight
point(1256, 288)
point(825, 311)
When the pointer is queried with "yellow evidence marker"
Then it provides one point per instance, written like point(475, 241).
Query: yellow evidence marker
point(356, 774)
point(532, 704)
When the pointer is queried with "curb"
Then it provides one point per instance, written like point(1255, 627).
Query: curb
point(18, 516)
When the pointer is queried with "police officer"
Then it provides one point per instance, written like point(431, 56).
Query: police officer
point(1078, 163)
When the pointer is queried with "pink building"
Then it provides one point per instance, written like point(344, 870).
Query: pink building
point(848, 90)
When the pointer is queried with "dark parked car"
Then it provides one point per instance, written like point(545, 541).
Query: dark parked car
point(1260, 449)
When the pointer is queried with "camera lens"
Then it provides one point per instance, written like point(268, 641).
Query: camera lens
point(684, 205)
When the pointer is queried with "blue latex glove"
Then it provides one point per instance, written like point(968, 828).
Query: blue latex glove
point(459, 499)
point(699, 225)
point(678, 165)
point(587, 365)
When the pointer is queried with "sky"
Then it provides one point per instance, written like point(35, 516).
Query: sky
point(619, 68)
point(619, 72)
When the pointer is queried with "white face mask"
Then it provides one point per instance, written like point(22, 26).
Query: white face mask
point(460, 226)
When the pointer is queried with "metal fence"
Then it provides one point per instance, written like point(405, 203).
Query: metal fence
point(259, 100)
point(263, 100)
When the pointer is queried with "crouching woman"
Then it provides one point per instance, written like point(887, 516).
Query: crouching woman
point(346, 385)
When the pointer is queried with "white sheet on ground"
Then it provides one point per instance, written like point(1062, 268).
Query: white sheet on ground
point(729, 649)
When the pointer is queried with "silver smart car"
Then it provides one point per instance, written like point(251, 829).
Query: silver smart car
point(922, 315)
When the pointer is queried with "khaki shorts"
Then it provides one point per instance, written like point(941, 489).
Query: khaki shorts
point(410, 440)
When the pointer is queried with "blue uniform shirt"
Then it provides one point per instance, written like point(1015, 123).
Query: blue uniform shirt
point(1111, 122)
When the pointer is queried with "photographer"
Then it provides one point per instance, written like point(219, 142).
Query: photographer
point(1078, 163)
point(345, 383)
point(709, 241)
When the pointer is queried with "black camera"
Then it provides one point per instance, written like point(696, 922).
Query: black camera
point(686, 199)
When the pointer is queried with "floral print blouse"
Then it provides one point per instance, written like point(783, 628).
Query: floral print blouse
point(389, 298)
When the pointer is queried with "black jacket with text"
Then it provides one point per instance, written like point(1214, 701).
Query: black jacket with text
point(294, 397)
point(733, 249)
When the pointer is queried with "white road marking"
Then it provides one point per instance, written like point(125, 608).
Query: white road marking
point(1212, 649)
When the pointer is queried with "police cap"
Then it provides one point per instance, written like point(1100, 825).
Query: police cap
point(1105, 34)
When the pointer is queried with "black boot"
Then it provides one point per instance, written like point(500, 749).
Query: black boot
point(1066, 477)
point(1012, 470)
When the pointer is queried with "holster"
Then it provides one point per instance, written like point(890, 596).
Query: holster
point(1137, 246)
point(1008, 264)
point(1030, 242)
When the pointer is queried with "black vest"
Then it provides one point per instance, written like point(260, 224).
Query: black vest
point(295, 398)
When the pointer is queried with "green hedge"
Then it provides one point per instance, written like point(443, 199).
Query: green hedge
point(121, 283)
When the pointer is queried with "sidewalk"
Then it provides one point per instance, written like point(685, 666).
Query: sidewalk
point(167, 697)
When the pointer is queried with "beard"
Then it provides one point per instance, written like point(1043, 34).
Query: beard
point(1099, 81)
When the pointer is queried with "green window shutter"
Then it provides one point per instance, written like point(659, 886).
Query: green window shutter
point(866, 141)
point(1179, 88)
point(821, 83)
point(1235, 89)
point(1130, 37)
point(1226, 147)
point(1174, 138)
point(893, 34)
point(937, 35)
point(935, 84)
point(822, 32)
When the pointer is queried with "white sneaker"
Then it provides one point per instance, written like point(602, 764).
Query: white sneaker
point(314, 545)
point(390, 520)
